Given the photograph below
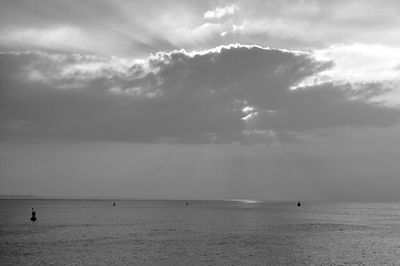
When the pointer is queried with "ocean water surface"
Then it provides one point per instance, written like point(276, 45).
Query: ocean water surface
point(152, 232)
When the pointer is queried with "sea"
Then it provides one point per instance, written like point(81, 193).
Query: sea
point(174, 232)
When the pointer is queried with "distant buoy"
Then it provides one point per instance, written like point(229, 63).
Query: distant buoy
point(298, 204)
point(187, 203)
point(114, 204)
point(33, 218)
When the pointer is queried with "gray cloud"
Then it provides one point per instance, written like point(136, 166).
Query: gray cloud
point(327, 106)
point(114, 28)
point(123, 27)
point(227, 94)
point(315, 24)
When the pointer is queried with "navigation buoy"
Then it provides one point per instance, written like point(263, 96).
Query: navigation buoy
point(187, 203)
point(114, 204)
point(33, 218)
point(298, 204)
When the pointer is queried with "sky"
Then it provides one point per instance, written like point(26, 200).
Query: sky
point(261, 100)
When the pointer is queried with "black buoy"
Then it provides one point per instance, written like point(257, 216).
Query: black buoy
point(114, 204)
point(33, 218)
point(298, 204)
point(187, 203)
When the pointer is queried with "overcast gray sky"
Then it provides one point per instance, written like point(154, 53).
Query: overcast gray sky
point(265, 100)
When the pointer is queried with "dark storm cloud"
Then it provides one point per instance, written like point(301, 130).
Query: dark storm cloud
point(226, 94)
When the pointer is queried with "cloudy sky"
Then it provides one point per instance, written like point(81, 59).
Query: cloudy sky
point(267, 100)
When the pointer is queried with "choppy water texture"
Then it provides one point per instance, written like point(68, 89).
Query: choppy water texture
point(204, 233)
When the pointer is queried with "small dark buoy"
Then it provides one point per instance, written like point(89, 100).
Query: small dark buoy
point(33, 218)
point(114, 204)
point(298, 204)
point(187, 203)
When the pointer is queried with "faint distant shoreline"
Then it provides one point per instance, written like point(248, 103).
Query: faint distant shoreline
point(39, 197)
point(64, 197)
point(19, 197)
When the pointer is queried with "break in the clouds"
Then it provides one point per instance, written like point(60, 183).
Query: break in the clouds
point(220, 12)
point(233, 93)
